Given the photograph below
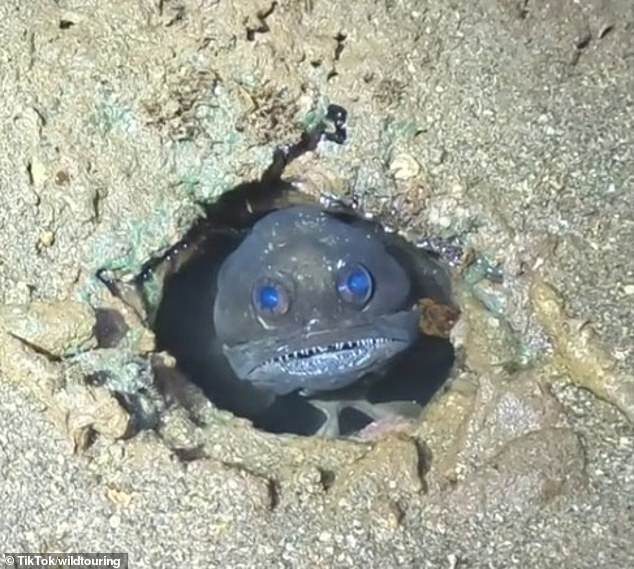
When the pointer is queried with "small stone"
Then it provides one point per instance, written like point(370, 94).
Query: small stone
point(118, 497)
point(404, 167)
point(629, 289)
point(38, 171)
point(437, 156)
point(453, 560)
point(47, 238)
point(62, 178)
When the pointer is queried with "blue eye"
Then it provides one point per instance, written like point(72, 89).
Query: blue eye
point(355, 284)
point(270, 297)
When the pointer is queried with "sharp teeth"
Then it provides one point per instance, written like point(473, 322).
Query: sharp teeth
point(362, 343)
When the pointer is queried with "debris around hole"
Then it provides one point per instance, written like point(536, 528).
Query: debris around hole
point(437, 319)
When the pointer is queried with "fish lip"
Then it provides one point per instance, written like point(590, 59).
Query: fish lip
point(324, 359)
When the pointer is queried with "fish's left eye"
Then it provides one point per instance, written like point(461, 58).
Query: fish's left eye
point(355, 284)
point(270, 297)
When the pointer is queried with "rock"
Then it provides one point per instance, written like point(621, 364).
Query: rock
point(404, 167)
point(464, 430)
point(525, 475)
point(374, 475)
point(487, 340)
point(78, 409)
point(579, 352)
point(20, 364)
point(57, 328)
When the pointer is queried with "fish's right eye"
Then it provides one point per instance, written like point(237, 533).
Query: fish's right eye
point(270, 297)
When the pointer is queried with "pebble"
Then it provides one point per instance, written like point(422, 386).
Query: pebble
point(404, 167)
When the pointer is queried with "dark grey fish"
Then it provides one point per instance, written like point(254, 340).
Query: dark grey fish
point(311, 303)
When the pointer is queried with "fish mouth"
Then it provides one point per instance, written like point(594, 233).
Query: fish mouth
point(336, 357)
point(324, 360)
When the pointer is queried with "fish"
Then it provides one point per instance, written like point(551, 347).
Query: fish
point(310, 303)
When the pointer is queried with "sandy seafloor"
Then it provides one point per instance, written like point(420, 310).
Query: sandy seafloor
point(508, 125)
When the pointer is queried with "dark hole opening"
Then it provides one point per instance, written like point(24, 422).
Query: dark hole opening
point(352, 420)
point(184, 327)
